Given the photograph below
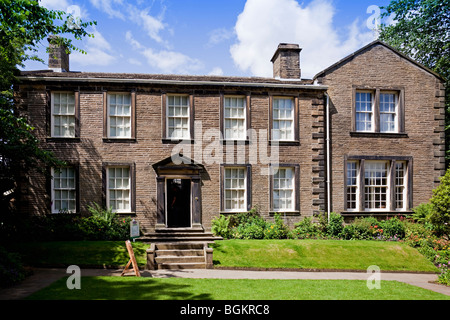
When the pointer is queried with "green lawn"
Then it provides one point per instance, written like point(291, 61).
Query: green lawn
point(290, 254)
point(81, 253)
point(319, 254)
point(132, 288)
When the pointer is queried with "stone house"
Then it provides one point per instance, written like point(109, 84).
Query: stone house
point(364, 136)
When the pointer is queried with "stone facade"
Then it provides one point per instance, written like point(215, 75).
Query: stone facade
point(419, 138)
point(90, 151)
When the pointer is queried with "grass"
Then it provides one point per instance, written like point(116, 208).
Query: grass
point(320, 254)
point(131, 288)
point(289, 254)
point(82, 253)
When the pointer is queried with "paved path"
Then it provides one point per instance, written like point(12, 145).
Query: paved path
point(44, 277)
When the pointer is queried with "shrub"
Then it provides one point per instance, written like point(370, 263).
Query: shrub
point(11, 268)
point(422, 213)
point(220, 226)
point(276, 230)
point(306, 229)
point(440, 201)
point(105, 214)
point(360, 229)
point(335, 225)
point(392, 228)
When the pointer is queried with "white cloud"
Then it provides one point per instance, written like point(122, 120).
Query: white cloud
point(218, 35)
point(217, 71)
point(54, 4)
point(165, 61)
point(151, 25)
point(111, 7)
point(99, 52)
point(265, 23)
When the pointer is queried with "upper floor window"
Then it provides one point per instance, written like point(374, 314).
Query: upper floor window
point(388, 112)
point(235, 110)
point(378, 111)
point(283, 119)
point(178, 117)
point(63, 115)
point(119, 115)
point(364, 112)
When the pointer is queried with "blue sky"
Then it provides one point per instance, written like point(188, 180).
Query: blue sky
point(220, 37)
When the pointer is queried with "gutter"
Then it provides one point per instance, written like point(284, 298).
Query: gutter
point(176, 82)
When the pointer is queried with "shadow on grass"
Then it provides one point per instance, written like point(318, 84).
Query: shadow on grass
point(120, 288)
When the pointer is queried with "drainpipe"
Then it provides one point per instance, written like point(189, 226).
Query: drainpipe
point(328, 182)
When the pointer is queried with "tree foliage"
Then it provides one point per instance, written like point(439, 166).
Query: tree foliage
point(24, 25)
point(422, 31)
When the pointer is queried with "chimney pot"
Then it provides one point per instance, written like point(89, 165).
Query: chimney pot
point(58, 58)
point(286, 61)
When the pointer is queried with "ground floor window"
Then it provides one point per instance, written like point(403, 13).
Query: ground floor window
point(235, 189)
point(118, 189)
point(64, 192)
point(377, 184)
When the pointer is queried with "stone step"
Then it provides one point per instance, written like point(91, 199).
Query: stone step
point(176, 266)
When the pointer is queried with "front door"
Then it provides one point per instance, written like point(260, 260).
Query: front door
point(178, 203)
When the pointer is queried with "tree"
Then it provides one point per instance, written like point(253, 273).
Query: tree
point(23, 25)
point(422, 32)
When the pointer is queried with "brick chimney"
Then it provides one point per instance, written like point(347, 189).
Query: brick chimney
point(286, 61)
point(58, 59)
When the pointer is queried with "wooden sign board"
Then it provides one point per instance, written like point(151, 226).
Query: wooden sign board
point(132, 261)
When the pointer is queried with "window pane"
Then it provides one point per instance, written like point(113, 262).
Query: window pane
point(364, 112)
point(119, 188)
point(376, 185)
point(235, 189)
point(63, 190)
point(283, 189)
point(283, 119)
point(388, 112)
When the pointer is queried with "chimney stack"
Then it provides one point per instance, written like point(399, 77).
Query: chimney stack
point(58, 59)
point(286, 61)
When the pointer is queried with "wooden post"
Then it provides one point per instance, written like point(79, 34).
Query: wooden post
point(132, 260)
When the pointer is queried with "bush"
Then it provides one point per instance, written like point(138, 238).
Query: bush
point(361, 229)
point(220, 226)
point(276, 230)
point(306, 229)
point(392, 229)
point(440, 202)
point(422, 213)
point(11, 268)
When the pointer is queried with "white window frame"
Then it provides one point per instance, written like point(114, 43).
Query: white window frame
point(122, 116)
point(279, 188)
point(187, 118)
point(225, 189)
point(403, 186)
point(356, 185)
point(60, 115)
point(243, 135)
point(395, 113)
point(372, 112)
point(67, 188)
point(109, 189)
point(283, 120)
point(374, 186)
